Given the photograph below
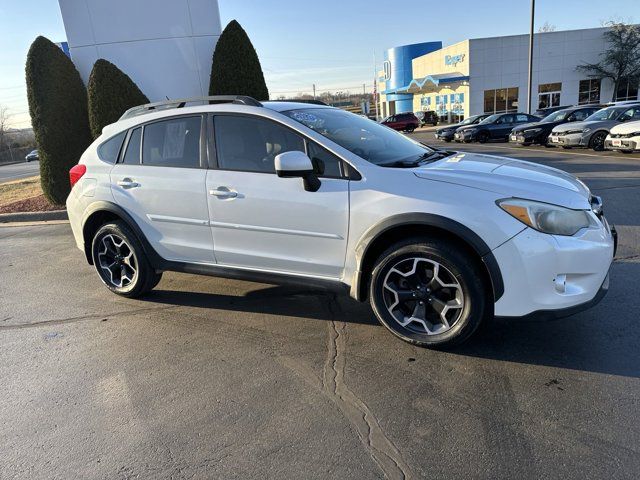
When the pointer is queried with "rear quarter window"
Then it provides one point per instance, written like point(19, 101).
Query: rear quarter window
point(108, 151)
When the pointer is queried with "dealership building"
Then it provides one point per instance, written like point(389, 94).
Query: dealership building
point(490, 75)
point(165, 46)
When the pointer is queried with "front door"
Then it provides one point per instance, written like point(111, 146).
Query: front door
point(160, 182)
point(263, 222)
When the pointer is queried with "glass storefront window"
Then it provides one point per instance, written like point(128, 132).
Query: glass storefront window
point(501, 100)
point(489, 101)
point(549, 94)
point(589, 91)
point(627, 90)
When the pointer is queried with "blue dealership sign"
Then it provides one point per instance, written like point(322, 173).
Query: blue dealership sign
point(453, 60)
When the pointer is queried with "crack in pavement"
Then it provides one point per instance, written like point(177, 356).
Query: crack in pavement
point(59, 321)
point(382, 450)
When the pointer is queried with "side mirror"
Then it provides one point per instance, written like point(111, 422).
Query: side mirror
point(297, 165)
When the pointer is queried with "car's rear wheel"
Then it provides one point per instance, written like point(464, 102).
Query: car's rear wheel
point(428, 292)
point(597, 141)
point(121, 262)
point(483, 137)
point(626, 151)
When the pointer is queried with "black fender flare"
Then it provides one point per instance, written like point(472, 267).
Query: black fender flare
point(105, 206)
point(429, 220)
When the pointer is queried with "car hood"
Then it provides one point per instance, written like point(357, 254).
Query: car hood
point(626, 127)
point(451, 127)
point(528, 126)
point(581, 125)
point(509, 177)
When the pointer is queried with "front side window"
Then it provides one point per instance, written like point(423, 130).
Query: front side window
point(325, 164)
point(109, 150)
point(132, 155)
point(367, 139)
point(172, 143)
point(251, 144)
point(556, 116)
point(610, 113)
point(589, 91)
point(522, 118)
point(630, 114)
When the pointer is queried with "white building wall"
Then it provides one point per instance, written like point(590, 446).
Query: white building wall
point(165, 46)
point(502, 62)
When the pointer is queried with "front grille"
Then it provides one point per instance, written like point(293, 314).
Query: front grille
point(621, 135)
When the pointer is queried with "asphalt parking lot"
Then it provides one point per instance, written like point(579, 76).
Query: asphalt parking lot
point(211, 378)
point(16, 171)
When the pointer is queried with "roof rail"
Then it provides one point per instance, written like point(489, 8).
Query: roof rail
point(180, 103)
point(293, 100)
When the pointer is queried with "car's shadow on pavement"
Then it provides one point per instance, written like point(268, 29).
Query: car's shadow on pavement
point(604, 339)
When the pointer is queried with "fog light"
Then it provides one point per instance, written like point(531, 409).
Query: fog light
point(561, 283)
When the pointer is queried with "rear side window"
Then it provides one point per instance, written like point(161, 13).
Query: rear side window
point(109, 150)
point(132, 155)
point(522, 118)
point(172, 143)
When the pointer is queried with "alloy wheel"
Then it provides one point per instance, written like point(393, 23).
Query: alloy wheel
point(422, 295)
point(117, 262)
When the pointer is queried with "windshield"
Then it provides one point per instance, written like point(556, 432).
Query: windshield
point(491, 118)
point(605, 114)
point(367, 139)
point(556, 116)
point(470, 120)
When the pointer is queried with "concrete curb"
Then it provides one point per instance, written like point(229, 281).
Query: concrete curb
point(33, 216)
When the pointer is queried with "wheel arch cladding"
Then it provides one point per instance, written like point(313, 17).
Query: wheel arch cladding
point(380, 236)
point(101, 213)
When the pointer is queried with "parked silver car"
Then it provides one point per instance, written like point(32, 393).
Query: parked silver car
point(594, 130)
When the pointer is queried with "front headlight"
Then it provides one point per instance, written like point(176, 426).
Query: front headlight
point(633, 134)
point(547, 218)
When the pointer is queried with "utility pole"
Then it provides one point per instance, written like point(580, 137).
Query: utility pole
point(314, 91)
point(529, 85)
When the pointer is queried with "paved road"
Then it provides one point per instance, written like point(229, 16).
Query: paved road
point(16, 171)
point(209, 378)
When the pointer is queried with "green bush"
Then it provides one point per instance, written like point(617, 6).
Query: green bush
point(236, 68)
point(111, 93)
point(58, 108)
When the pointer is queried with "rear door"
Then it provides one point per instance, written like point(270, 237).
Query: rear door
point(160, 181)
point(263, 222)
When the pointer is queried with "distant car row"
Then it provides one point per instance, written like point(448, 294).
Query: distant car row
point(616, 127)
point(31, 156)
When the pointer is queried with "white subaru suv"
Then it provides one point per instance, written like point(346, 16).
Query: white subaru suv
point(435, 240)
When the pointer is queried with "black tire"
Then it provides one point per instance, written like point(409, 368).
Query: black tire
point(448, 140)
point(457, 267)
point(548, 145)
point(567, 148)
point(627, 151)
point(142, 276)
point(483, 137)
point(596, 143)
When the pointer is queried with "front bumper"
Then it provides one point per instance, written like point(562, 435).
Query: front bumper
point(622, 143)
point(464, 136)
point(447, 135)
point(569, 140)
point(522, 138)
point(553, 275)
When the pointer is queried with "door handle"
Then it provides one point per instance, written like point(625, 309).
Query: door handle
point(223, 192)
point(127, 183)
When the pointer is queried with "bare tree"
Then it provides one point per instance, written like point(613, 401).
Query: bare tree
point(547, 27)
point(621, 60)
point(4, 126)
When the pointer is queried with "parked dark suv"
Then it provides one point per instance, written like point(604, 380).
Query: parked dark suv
point(494, 127)
point(538, 132)
point(446, 133)
point(404, 122)
point(427, 118)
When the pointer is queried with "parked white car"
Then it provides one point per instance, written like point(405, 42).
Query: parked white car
point(436, 240)
point(624, 137)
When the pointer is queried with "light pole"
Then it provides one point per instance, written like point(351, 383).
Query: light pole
point(529, 85)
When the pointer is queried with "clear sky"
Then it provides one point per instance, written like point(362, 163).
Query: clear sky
point(330, 43)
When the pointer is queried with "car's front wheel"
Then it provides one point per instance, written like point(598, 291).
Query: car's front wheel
point(121, 262)
point(597, 141)
point(428, 292)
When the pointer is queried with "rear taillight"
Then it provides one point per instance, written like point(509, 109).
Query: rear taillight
point(76, 174)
